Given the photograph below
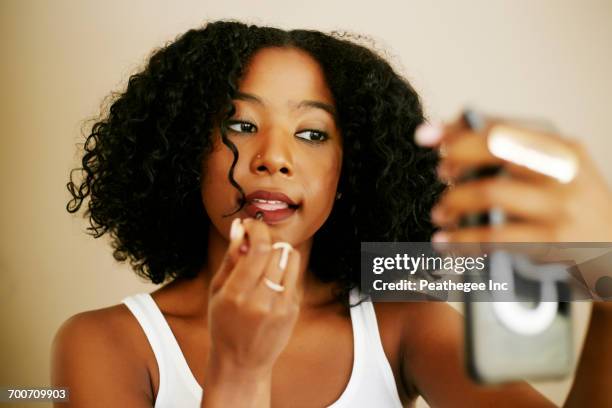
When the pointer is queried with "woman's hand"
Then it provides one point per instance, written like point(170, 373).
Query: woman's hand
point(250, 323)
point(541, 208)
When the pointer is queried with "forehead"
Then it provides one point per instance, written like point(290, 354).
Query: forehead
point(285, 74)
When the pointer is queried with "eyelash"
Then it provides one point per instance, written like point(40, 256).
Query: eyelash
point(323, 135)
point(241, 123)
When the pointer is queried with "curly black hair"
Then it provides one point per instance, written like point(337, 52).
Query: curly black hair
point(142, 161)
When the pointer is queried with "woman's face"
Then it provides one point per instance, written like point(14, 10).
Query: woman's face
point(290, 149)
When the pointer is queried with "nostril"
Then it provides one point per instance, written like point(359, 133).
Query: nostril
point(261, 168)
point(284, 170)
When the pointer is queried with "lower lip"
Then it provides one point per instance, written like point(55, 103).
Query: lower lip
point(270, 216)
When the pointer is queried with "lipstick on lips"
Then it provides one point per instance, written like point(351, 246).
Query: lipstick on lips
point(269, 206)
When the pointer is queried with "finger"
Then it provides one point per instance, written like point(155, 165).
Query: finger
point(237, 238)
point(273, 273)
point(469, 150)
point(250, 266)
point(525, 153)
point(291, 280)
point(461, 148)
point(435, 134)
point(456, 173)
point(514, 232)
point(516, 198)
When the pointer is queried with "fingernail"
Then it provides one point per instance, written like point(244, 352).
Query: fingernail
point(236, 230)
point(428, 134)
point(284, 259)
point(439, 237)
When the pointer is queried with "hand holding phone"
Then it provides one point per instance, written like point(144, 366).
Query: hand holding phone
point(506, 340)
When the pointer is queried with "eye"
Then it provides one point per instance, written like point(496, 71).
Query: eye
point(241, 127)
point(312, 135)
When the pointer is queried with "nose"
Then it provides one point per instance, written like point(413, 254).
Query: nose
point(273, 154)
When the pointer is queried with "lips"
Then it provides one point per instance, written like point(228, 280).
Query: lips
point(274, 206)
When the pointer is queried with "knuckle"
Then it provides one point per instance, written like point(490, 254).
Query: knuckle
point(258, 311)
point(280, 313)
point(260, 239)
point(232, 297)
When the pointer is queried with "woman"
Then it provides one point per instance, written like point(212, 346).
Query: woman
point(244, 165)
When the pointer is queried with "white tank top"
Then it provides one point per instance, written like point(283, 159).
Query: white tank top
point(371, 383)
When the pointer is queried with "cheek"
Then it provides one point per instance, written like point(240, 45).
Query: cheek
point(325, 176)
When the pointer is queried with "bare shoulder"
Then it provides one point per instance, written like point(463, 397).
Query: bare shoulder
point(429, 325)
point(420, 325)
point(424, 333)
point(99, 356)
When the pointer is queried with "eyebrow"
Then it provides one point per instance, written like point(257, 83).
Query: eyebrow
point(305, 104)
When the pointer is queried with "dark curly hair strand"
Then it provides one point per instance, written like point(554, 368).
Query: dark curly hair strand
point(142, 161)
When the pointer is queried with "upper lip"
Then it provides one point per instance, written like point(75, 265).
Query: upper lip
point(270, 195)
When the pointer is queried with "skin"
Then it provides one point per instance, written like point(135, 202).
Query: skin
point(251, 346)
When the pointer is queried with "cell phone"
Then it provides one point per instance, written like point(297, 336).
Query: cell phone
point(505, 341)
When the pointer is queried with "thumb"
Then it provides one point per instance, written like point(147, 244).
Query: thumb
point(235, 248)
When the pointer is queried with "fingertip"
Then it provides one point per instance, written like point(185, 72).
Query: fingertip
point(236, 230)
point(440, 237)
point(429, 134)
point(237, 241)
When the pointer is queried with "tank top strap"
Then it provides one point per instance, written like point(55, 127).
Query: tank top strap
point(365, 326)
point(170, 359)
point(358, 373)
